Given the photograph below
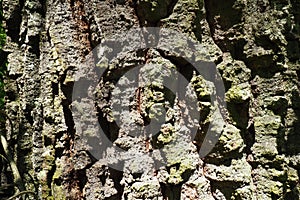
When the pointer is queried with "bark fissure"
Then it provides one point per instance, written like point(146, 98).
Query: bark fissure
point(255, 46)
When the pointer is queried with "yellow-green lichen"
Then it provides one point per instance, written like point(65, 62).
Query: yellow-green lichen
point(167, 134)
point(201, 88)
point(239, 93)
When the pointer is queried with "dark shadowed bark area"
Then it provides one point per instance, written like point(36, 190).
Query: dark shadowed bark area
point(50, 142)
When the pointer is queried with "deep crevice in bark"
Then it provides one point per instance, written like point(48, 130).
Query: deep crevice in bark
point(144, 8)
point(226, 188)
point(228, 17)
point(171, 192)
point(249, 138)
point(248, 133)
point(116, 177)
point(14, 22)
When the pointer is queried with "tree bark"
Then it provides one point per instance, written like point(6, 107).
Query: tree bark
point(255, 48)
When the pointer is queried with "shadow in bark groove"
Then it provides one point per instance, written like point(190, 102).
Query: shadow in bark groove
point(293, 136)
point(14, 23)
point(227, 188)
point(67, 91)
point(224, 16)
point(150, 13)
point(116, 177)
point(171, 192)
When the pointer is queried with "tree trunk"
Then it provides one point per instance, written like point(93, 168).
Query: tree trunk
point(95, 109)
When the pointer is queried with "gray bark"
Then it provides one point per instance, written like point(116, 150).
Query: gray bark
point(255, 47)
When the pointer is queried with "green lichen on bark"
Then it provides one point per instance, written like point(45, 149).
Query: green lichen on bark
point(255, 46)
point(2, 58)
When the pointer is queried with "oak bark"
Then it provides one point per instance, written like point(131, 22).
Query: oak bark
point(255, 46)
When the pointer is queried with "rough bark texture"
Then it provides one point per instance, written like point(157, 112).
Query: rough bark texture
point(255, 45)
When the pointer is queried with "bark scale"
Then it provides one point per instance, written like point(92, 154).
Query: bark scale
point(255, 46)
